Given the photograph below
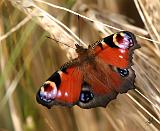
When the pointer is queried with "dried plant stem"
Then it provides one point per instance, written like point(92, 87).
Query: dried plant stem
point(13, 110)
point(77, 14)
point(15, 116)
point(146, 98)
point(50, 24)
point(61, 24)
point(19, 25)
point(147, 21)
point(11, 88)
point(92, 20)
point(144, 109)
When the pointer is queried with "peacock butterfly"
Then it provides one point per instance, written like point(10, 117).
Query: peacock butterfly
point(95, 77)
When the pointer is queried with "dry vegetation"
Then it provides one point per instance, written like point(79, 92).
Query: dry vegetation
point(28, 58)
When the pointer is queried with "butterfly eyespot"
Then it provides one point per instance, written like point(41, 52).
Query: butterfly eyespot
point(86, 96)
point(48, 91)
point(123, 40)
point(123, 72)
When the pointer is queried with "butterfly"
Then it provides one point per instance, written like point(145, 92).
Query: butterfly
point(98, 74)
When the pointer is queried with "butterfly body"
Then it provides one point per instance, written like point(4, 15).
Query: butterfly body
point(95, 77)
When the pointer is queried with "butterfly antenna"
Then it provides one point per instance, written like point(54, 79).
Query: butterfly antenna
point(60, 42)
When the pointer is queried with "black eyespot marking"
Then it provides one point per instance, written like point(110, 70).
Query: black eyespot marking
point(109, 41)
point(47, 103)
point(123, 72)
point(130, 38)
point(55, 78)
point(86, 96)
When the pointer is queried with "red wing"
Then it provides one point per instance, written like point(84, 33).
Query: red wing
point(117, 49)
point(62, 88)
point(70, 87)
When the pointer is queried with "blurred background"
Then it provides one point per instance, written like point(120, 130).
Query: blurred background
point(28, 58)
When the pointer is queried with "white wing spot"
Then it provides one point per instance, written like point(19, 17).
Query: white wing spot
point(66, 94)
point(120, 56)
point(59, 94)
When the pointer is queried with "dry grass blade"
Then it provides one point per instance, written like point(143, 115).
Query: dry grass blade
point(125, 25)
point(15, 117)
point(24, 21)
point(149, 12)
point(56, 29)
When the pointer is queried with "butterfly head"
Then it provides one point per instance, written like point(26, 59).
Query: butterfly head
point(47, 93)
point(80, 49)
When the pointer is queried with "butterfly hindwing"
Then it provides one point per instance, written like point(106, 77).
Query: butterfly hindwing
point(104, 83)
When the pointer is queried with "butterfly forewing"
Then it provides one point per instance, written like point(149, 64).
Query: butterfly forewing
point(67, 82)
point(116, 49)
